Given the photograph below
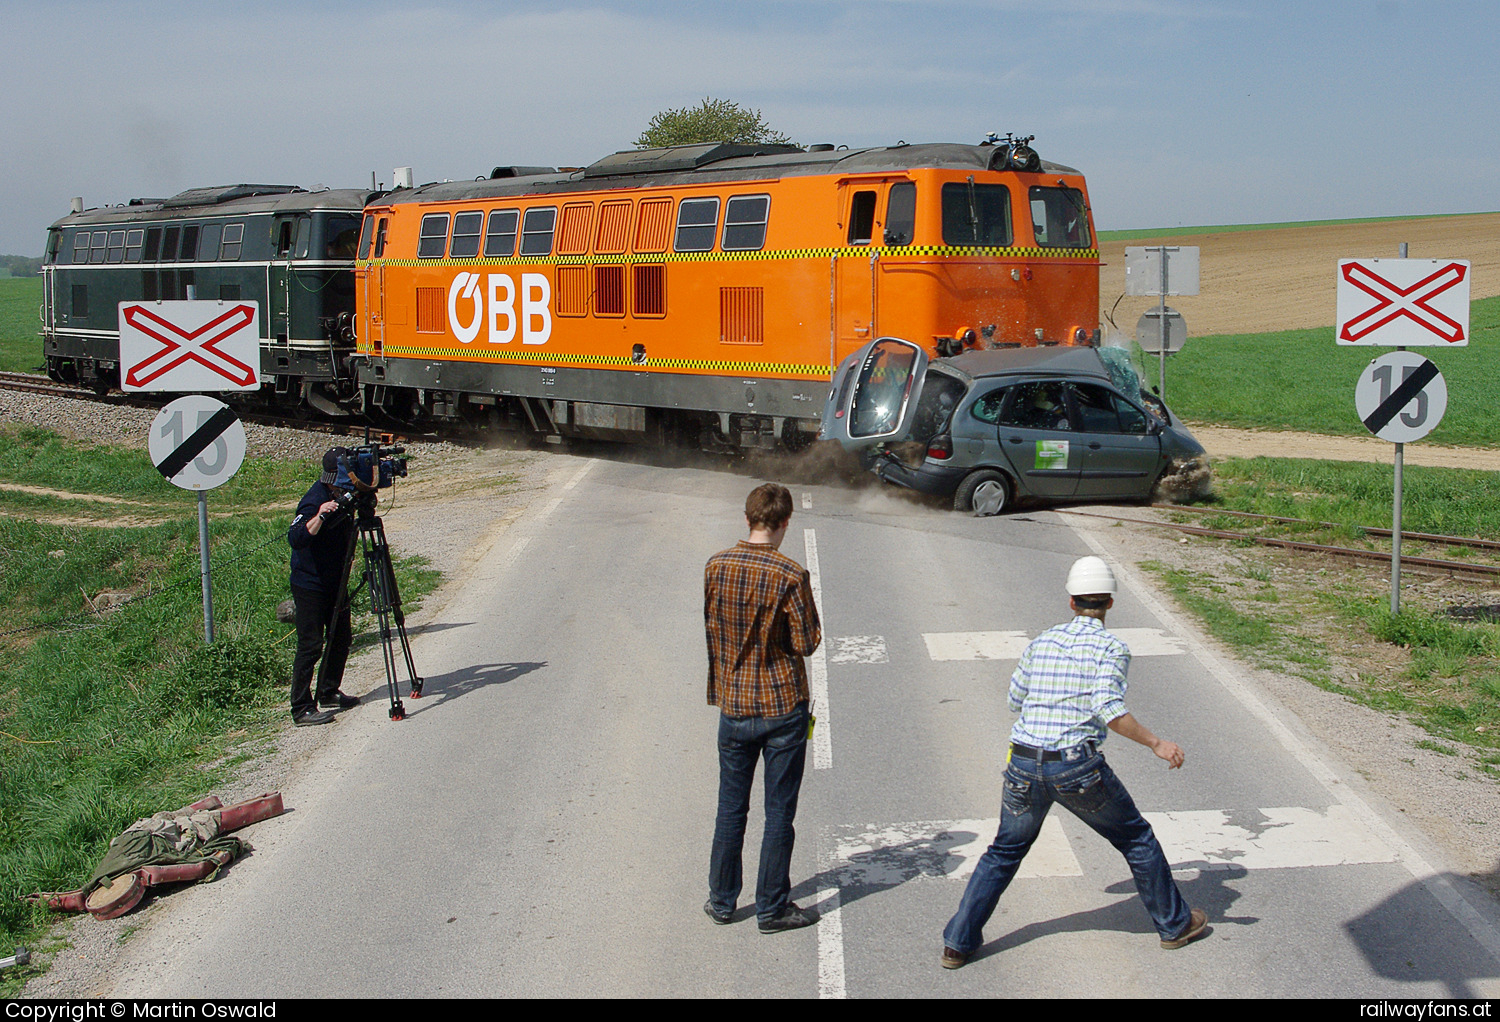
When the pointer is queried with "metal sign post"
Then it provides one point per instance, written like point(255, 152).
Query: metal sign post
point(1162, 270)
point(197, 443)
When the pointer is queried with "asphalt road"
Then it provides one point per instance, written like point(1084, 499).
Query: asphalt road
point(540, 824)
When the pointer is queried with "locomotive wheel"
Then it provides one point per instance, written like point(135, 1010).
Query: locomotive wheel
point(986, 492)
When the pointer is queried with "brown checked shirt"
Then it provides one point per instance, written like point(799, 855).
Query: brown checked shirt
point(761, 620)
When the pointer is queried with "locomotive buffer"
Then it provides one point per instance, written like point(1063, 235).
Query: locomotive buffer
point(380, 578)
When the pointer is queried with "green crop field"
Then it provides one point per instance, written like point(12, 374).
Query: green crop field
point(1302, 380)
point(1173, 232)
point(20, 326)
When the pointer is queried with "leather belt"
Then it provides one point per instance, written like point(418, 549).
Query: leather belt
point(1039, 755)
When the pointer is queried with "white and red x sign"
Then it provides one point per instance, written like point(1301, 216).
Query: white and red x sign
point(1403, 302)
point(189, 346)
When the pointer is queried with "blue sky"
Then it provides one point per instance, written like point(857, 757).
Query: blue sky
point(1179, 112)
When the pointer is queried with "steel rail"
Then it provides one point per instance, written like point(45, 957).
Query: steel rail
point(1292, 544)
point(1426, 537)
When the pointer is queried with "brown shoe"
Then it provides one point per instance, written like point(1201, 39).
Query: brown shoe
point(1196, 927)
point(953, 959)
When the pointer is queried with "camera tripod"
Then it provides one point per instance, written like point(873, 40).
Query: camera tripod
point(385, 599)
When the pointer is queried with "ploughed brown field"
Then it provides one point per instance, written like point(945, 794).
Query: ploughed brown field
point(1255, 281)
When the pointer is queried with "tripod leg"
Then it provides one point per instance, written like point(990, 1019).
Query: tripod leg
point(391, 597)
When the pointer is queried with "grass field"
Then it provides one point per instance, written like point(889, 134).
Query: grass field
point(20, 326)
point(104, 719)
point(1302, 380)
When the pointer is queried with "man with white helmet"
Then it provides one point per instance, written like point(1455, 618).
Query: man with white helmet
point(1068, 687)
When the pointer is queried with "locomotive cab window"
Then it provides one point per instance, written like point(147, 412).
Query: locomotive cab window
point(861, 218)
point(81, 247)
point(232, 241)
point(697, 223)
point(500, 235)
point(189, 253)
point(96, 246)
point(169, 244)
point(976, 214)
point(304, 237)
point(536, 231)
point(1060, 218)
point(901, 213)
point(466, 230)
point(133, 241)
point(286, 231)
point(211, 242)
point(366, 236)
point(745, 219)
point(153, 245)
point(116, 250)
point(433, 238)
point(340, 237)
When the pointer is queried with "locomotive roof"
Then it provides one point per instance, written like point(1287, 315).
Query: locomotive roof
point(223, 200)
point(695, 164)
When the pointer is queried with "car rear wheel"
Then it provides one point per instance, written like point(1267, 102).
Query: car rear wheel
point(986, 492)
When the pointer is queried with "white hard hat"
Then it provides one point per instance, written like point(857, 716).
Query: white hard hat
point(1090, 576)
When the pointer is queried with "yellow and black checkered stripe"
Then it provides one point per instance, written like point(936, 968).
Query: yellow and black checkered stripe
point(784, 254)
point(556, 358)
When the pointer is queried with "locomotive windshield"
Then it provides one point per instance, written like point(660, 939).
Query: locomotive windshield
point(1060, 218)
point(976, 214)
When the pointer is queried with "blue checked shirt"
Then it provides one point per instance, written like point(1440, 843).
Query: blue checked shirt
point(1069, 684)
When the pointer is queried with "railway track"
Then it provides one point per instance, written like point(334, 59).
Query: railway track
point(33, 383)
point(1432, 563)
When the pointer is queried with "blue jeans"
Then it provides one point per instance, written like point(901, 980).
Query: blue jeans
point(1085, 785)
point(782, 743)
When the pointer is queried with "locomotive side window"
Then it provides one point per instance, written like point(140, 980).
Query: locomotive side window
point(366, 236)
point(116, 246)
point(286, 231)
point(133, 240)
point(466, 230)
point(209, 244)
point(745, 219)
point(96, 246)
point(189, 253)
point(169, 244)
point(304, 236)
point(380, 236)
point(861, 218)
point(81, 247)
point(340, 237)
point(500, 236)
point(1059, 218)
point(434, 236)
point(901, 213)
point(536, 231)
point(697, 223)
point(54, 243)
point(976, 214)
point(153, 245)
point(233, 240)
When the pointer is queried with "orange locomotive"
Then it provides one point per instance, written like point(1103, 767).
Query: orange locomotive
point(707, 292)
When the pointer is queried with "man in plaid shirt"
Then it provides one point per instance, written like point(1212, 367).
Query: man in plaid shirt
point(1068, 687)
point(761, 621)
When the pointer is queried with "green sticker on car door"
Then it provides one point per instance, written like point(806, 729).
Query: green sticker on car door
point(1051, 454)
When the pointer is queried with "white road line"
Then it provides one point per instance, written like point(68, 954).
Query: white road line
point(1010, 645)
point(1438, 885)
point(818, 667)
point(831, 937)
point(859, 649)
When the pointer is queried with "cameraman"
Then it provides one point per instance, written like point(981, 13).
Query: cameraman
point(319, 538)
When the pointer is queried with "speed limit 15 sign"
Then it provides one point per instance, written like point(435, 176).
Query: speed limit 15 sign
point(1401, 397)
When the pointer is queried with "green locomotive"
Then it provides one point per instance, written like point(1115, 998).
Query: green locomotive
point(289, 249)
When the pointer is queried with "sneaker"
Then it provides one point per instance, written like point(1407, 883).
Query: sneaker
point(338, 701)
point(791, 918)
point(953, 959)
point(722, 918)
point(309, 717)
point(1196, 927)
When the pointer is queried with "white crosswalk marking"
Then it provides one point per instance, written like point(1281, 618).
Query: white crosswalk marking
point(1288, 837)
point(1010, 645)
point(859, 649)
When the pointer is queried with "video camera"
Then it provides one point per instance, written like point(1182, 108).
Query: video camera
point(370, 462)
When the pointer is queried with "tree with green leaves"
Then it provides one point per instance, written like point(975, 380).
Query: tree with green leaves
point(714, 120)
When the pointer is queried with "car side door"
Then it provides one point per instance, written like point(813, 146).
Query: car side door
point(1037, 438)
point(1119, 454)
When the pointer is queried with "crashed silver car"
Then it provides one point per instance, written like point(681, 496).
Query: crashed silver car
point(997, 426)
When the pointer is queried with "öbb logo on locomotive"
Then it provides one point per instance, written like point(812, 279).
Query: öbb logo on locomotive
point(497, 300)
point(703, 293)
